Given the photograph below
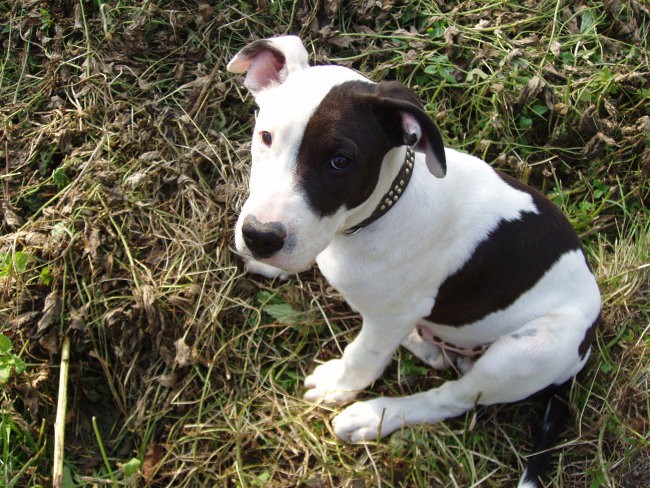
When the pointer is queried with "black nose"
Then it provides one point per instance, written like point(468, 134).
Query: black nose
point(263, 240)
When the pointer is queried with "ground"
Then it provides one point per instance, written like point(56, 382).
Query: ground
point(124, 149)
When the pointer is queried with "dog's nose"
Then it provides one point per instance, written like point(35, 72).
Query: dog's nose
point(263, 240)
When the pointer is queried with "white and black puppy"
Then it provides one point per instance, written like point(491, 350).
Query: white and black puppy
point(436, 250)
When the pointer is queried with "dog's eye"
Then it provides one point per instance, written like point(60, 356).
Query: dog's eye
point(339, 163)
point(267, 138)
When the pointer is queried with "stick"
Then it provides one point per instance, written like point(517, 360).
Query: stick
point(59, 424)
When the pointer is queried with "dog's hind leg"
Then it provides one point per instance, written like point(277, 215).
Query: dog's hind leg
point(541, 353)
point(426, 352)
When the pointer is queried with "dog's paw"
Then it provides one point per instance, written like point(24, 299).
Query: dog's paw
point(268, 271)
point(326, 384)
point(366, 421)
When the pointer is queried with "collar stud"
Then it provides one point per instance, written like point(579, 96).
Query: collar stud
point(390, 198)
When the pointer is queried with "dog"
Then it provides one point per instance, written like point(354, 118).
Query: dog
point(437, 251)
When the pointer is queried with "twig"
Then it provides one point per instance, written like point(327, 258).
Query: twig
point(204, 91)
point(6, 185)
point(59, 424)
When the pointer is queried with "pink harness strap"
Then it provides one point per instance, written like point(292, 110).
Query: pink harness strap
point(469, 352)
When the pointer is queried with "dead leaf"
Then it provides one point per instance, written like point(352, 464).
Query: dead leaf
point(533, 88)
point(168, 380)
point(152, 460)
point(36, 239)
point(92, 243)
point(51, 311)
point(606, 139)
point(12, 219)
point(150, 156)
point(77, 321)
point(184, 353)
point(482, 24)
point(146, 298)
point(560, 108)
point(23, 319)
point(332, 7)
point(450, 34)
point(111, 317)
point(556, 48)
point(516, 52)
point(50, 342)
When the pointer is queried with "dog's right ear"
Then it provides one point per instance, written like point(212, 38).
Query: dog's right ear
point(268, 62)
point(407, 123)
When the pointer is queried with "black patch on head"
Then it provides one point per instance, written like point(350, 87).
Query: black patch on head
point(344, 124)
point(509, 262)
point(590, 335)
point(361, 121)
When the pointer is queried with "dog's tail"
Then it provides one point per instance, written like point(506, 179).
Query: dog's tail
point(556, 413)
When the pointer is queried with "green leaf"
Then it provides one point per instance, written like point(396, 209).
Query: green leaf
point(525, 122)
point(46, 276)
point(19, 365)
point(131, 467)
point(437, 31)
point(263, 296)
point(20, 261)
point(68, 480)
point(283, 313)
point(446, 73)
point(539, 109)
point(432, 69)
point(587, 21)
point(60, 178)
point(5, 344)
point(598, 479)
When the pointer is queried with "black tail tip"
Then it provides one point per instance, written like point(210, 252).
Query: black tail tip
point(557, 411)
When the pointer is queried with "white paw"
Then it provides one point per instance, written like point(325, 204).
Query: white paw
point(326, 384)
point(367, 421)
point(268, 271)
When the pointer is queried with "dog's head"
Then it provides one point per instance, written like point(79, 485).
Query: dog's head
point(326, 140)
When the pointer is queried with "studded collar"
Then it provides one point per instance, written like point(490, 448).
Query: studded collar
point(388, 200)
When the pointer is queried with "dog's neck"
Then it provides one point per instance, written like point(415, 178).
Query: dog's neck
point(391, 196)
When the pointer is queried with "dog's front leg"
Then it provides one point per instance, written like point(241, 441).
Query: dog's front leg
point(364, 359)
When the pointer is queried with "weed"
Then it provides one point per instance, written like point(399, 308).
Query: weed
point(8, 360)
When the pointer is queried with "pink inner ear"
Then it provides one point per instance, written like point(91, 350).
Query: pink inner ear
point(264, 69)
point(411, 127)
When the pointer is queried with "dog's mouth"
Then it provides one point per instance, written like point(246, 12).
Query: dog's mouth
point(283, 259)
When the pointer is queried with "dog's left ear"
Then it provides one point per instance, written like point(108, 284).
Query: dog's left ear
point(268, 62)
point(401, 113)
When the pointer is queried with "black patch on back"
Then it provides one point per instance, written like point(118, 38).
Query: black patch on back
point(344, 123)
point(510, 261)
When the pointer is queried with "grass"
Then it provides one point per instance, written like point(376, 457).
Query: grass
point(124, 156)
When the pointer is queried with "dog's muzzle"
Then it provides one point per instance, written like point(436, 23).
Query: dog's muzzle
point(263, 239)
